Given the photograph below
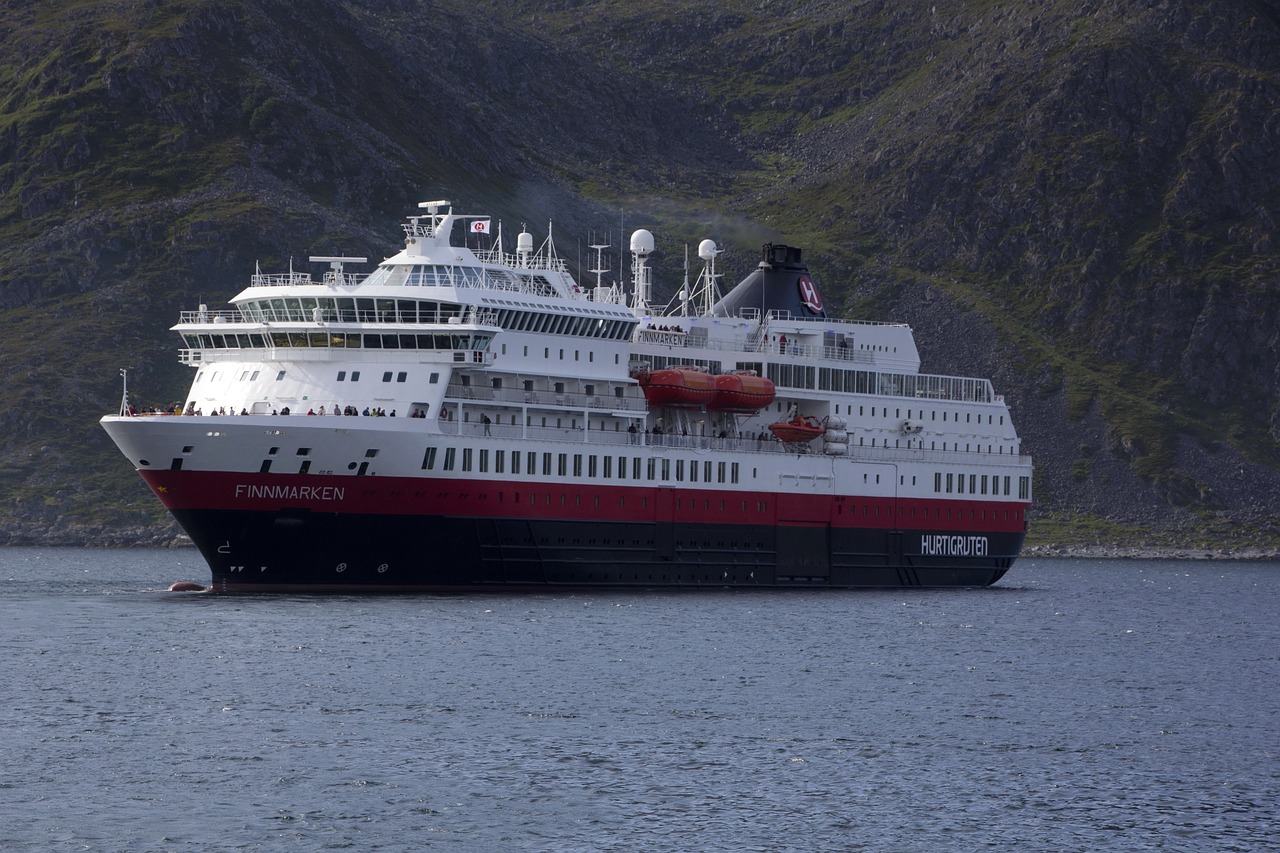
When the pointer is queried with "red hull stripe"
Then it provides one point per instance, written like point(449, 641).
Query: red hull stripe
point(217, 490)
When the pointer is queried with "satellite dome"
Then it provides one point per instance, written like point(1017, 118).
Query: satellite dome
point(524, 242)
point(641, 242)
point(707, 250)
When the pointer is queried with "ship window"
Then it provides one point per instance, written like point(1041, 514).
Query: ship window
point(433, 378)
point(355, 376)
point(280, 376)
point(466, 459)
point(960, 484)
point(342, 375)
point(950, 478)
point(608, 466)
point(652, 473)
point(449, 454)
point(973, 484)
point(720, 472)
point(484, 460)
point(273, 451)
point(1006, 485)
point(386, 377)
point(303, 451)
point(666, 469)
point(562, 464)
point(401, 376)
point(371, 453)
point(429, 459)
point(591, 466)
point(680, 469)
point(693, 471)
point(577, 464)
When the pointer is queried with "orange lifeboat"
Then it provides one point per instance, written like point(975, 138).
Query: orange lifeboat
point(677, 387)
point(798, 430)
point(741, 392)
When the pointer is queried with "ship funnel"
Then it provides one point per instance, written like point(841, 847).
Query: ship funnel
point(780, 285)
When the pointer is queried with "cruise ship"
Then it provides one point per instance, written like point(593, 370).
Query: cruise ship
point(462, 418)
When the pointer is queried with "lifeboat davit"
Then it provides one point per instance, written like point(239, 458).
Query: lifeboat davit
point(677, 387)
point(798, 430)
point(741, 392)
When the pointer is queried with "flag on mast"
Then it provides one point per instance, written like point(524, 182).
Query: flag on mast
point(480, 226)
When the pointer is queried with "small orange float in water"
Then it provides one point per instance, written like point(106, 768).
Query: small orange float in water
point(185, 586)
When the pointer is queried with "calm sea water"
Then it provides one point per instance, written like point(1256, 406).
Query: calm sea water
point(1078, 705)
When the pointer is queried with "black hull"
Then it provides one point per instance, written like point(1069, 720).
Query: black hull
point(326, 552)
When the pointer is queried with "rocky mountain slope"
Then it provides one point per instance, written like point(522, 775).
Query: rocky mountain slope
point(1077, 199)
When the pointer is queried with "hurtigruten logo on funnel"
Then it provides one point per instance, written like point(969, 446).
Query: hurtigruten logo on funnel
point(809, 296)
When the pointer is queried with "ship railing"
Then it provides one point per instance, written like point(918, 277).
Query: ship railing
point(545, 398)
point(754, 343)
point(284, 279)
point(762, 442)
point(211, 317)
point(784, 316)
point(517, 262)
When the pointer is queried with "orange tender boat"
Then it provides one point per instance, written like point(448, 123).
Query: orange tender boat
point(741, 392)
point(677, 387)
point(798, 430)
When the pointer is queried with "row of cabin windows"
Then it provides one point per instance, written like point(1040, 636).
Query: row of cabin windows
point(883, 411)
point(918, 385)
point(591, 466)
point(979, 484)
point(400, 376)
point(245, 375)
point(915, 385)
point(337, 340)
point(564, 324)
point(918, 444)
point(443, 275)
point(381, 310)
point(322, 309)
point(577, 355)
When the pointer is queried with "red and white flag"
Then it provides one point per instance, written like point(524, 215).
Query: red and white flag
point(480, 226)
